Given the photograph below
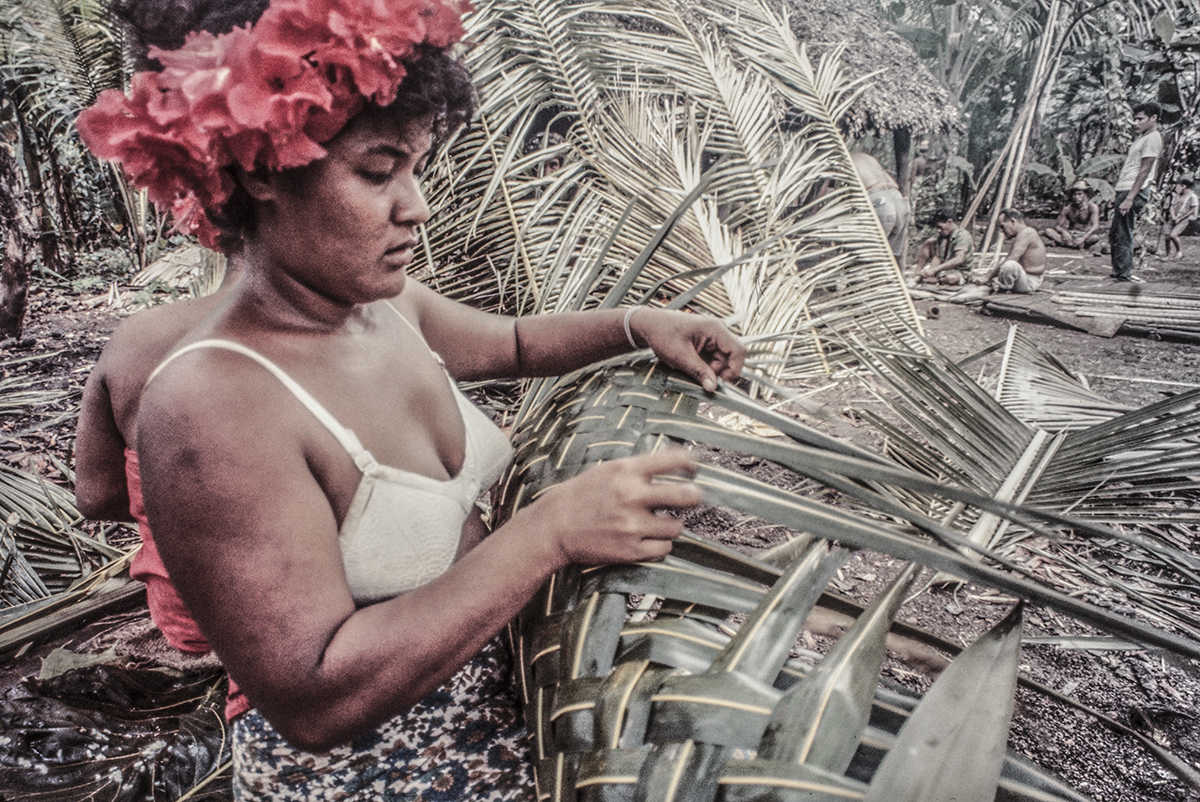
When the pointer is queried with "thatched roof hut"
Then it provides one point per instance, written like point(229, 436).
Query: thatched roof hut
point(903, 93)
point(902, 96)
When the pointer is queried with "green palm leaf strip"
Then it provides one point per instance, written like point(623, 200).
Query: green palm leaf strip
point(952, 747)
point(819, 721)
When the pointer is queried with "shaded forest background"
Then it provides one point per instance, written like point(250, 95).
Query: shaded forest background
point(66, 217)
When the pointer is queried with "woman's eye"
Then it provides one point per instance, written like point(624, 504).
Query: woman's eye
point(376, 177)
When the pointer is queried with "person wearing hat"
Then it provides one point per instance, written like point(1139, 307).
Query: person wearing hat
point(1078, 220)
point(1185, 207)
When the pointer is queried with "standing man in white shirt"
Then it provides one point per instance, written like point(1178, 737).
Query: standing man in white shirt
point(1133, 188)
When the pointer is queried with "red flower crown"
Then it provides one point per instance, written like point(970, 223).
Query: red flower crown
point(265, 95)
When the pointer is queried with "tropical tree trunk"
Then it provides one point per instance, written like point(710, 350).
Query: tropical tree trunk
point(43, 224)
point(902, 144)
point(15, 238)
point(68, 229)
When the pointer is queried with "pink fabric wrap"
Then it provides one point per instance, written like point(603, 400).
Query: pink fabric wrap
point(167, 610)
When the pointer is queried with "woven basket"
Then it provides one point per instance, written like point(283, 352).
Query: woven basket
point(679, 680)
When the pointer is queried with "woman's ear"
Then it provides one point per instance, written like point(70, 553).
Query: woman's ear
point(258, 185)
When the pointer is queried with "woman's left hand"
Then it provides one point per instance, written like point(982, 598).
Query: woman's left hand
point(698, 345)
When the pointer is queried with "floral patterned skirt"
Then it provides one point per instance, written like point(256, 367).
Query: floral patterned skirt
point(464, 741)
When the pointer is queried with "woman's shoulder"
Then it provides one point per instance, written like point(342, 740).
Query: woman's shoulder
point(142, 341)
point(205, 396)
point(152, 332)
point(201, 366)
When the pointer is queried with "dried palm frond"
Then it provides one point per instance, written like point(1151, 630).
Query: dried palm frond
point(192, 267)
point(1041, 391)
point(676, 700)
point(693, 161)
point(41, 549)
point(20, 396)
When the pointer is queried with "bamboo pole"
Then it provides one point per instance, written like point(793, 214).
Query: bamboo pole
point(1018, 142)
point(1014, 162)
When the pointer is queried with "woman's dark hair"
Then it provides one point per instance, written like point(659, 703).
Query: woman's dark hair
point(165, 23)
point(436, 85)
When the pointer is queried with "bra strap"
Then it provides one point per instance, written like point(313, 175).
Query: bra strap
point(417, 331)
point(345, 437)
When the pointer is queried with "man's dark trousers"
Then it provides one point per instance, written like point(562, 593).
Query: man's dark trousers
point(1120, 234)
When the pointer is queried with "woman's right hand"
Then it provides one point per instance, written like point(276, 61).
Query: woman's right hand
point(610, 512)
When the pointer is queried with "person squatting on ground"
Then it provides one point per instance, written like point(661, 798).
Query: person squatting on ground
point(307, 465)
point(1078, 223)
point(1133, 188)
point(943, 258)
point(890, 206)
point(1023, 267)
point(1185, 207)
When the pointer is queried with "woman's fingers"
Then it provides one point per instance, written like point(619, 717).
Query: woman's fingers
point(701, 346)
point(654, 550)
point(670, 461)
point(675, 493)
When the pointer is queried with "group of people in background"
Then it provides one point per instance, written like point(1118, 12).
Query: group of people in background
point(949, 258)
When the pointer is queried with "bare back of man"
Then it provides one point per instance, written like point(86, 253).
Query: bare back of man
point(1029, 251)
point(889, 205)
point(871, 172)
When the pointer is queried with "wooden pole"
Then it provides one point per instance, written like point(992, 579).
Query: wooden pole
point(1014, 162)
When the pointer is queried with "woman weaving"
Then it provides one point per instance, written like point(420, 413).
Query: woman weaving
point(309, 468)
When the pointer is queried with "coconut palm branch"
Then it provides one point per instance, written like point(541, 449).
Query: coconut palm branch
point(1128, 474)
point(668, 703)
point(1043, 393)
point(657, 108)
point(63, 54)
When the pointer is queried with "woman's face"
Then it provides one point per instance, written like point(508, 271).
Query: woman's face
point(346, 226)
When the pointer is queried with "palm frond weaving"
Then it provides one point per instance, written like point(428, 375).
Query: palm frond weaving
point(640, 683)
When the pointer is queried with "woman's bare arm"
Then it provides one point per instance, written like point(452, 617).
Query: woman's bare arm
point(249, 536)
point(478, 345)
point(100, 489)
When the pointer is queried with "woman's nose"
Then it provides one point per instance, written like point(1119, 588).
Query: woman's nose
point(409, 206)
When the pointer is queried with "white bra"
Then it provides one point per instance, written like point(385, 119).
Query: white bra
point(402, 529)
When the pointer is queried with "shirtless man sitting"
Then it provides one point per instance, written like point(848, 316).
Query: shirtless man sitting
point(889, 204)
point(1025, 264)
point(1078, 221)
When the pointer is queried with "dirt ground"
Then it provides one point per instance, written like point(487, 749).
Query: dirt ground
point(1150, 693)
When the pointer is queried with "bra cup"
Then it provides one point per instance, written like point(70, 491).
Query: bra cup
point(486, 445)
point(397, 538)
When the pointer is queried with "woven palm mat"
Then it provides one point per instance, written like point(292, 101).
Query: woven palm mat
point(639, 683)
